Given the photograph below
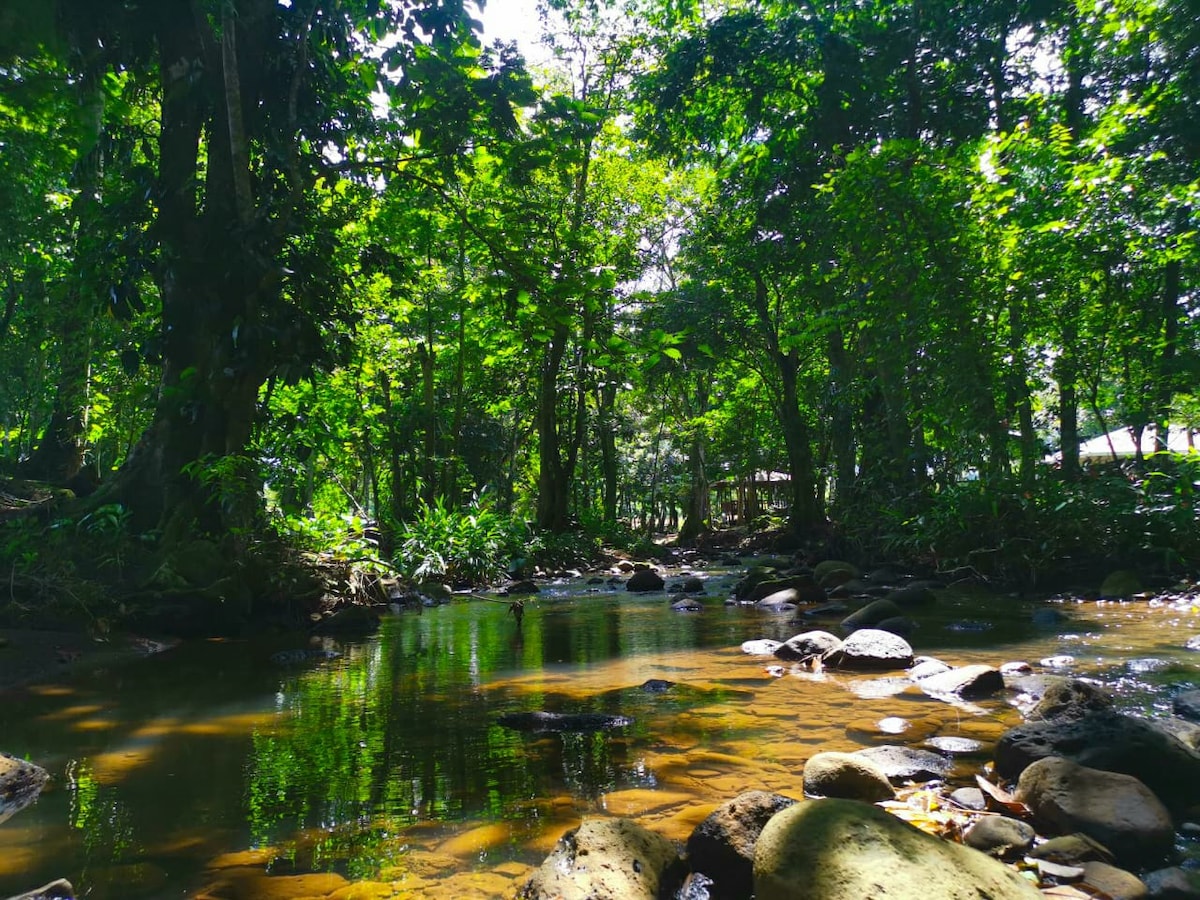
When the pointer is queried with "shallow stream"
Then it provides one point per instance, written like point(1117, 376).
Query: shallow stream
point(212, 771)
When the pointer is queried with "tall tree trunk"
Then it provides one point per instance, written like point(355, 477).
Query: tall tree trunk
point(1066, 374)
point(606, 433)
point(213, 266)
point(1167, 378)
point(841, 420)
point(1019, 398)
point(698, 514)
point(804, 512)
point(425, 353)
point(553, 491)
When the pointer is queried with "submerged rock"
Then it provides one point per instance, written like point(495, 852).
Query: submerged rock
point(843, 850)
point(657, 685)
point(302, 655)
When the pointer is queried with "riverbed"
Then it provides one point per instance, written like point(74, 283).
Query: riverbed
point(214, 770)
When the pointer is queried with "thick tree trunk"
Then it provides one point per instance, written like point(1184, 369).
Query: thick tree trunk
point(606, 429)
point(213, 266)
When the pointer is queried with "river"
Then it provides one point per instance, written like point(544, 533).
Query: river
point(212, 771)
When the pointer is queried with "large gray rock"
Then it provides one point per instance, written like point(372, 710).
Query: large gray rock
point(807, 645)
point(1110, 741)
point(870, 648)
point(606, 859)
point(843, 850)
point(969, 682)
point(1117, 810)
point(1067, 698)
point(20, 784)
point(722, 846)
point(846, 776)
point(902, 764)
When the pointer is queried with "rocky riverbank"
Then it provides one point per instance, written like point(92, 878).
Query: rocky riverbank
point(1080, 801)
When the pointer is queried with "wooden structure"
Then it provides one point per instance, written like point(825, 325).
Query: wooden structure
point(739, 501)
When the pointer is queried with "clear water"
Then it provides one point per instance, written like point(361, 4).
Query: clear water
point(211, 771)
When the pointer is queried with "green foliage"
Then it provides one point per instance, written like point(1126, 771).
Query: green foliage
point(471, 546)
point(1057, 531)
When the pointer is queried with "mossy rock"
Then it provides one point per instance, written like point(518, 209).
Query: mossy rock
point(1121, 585)
point(846, 850)
point(833, 572)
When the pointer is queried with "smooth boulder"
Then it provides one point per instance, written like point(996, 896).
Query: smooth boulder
point(606, 859)
point(870, 648)
point(844, 850)
point(846, 776)
point(1115, 809)
point(1000, 836)
point(806, 645)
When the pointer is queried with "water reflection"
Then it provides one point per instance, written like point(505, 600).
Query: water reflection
point(212, 769)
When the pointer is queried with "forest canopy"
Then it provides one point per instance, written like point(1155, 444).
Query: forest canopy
point(339, 276)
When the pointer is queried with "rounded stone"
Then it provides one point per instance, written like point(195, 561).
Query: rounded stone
point(844, 850)
point(1117, 810)
point(1000, 836)
point(847, 776)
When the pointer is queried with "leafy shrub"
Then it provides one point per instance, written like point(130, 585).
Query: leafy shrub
point(470, 546)
point(1112, 516)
